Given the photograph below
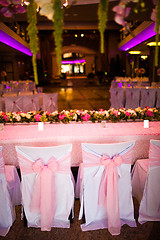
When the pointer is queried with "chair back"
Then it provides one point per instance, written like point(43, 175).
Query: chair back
point(117, 97)
point(13, 104)
point(147, 97)
point(47, 187)
point(149, 209)
point(50, 102)
point(105, 186)
point(132, 98)
point(31, 103)
point(7, 214)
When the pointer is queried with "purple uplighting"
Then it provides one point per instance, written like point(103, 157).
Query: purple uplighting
point(8, 40)
point(73, 61)
point(144, 35)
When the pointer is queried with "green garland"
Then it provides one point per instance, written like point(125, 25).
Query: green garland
point(102, 17)
point(32, 32)
point(157, 31)
point(58, 26)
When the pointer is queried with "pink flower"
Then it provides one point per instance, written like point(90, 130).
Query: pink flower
point(71, 113)
point(128, 114)
point(37, 117)
point(149, 113)
point(5, 117)
point(62, 116)
point(115, 112)
point(86, 117)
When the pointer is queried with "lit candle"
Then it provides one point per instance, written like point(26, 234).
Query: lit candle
point(146, 123)
point(40, 126)
point(104, 124)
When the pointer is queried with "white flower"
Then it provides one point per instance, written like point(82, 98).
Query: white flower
point(28, 116)
point(47, 10)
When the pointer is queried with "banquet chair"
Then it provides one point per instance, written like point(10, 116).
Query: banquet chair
point(117, 97)
point(7, 212)
point(132, 98)
point(104, 183)
point(31, 86)
point(50, 102)
point(13, 104)
point(145, 184)
point(147, 97)
point(47, 185)
point(31, 103)
point(158, 98)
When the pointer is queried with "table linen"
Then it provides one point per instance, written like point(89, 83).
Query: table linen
point(76, 133)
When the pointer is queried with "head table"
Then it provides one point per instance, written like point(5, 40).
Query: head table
point(76, 133)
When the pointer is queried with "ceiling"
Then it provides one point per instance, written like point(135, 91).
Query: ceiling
point(82, 16)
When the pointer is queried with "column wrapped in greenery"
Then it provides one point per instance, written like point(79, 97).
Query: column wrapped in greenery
point(157, 31)
point(32, 32)
point(102, 17)
point(58, 26)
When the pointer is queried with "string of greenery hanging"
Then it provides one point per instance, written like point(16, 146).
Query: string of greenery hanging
point(32, 33)
point(102, 17)
point(157, 31)
point(58, 26)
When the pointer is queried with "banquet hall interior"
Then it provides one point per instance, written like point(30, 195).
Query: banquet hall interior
point(85, 79)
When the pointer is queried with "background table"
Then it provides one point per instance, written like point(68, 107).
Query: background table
point(76, 133)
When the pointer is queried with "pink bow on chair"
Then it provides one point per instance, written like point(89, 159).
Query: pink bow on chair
point(108, 192)
point(44, 192)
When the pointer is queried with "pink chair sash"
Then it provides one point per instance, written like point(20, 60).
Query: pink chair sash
point(154, 155)
point(108, 191)
point(44, 194)
point(1, 163)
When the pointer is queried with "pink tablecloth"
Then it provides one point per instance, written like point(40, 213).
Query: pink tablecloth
point(76, 133)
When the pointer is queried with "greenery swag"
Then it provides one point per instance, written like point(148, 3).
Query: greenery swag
point(102, 17)
point(32, 32)
point(58, 25)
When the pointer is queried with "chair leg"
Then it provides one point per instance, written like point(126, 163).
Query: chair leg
point(70, 217)
point(24, 219)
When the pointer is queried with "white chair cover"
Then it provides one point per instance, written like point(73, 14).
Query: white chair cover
point(149, 209)
point(31, 103)
point(55, 178)
point(147, 97)
point(7, 213)
point(90, 177)
point(13, 104)
point(158, 98)
point(13, 181)
point(132, 98)
point(139, 175)
point(50, 102)
point(117, 97)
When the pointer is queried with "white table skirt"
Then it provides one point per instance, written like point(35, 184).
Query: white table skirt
point(76, 133)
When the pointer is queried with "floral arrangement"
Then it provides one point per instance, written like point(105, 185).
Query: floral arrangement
point(111, 115)
point(142, 71)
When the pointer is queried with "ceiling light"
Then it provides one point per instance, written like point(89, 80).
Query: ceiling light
point(153, 44)
point(76, 35)
point(144, 57)
point(82, 35)
point(134, 52)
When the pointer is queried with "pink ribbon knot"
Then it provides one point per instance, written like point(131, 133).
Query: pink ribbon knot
point(44, 193)
point(108, 192)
